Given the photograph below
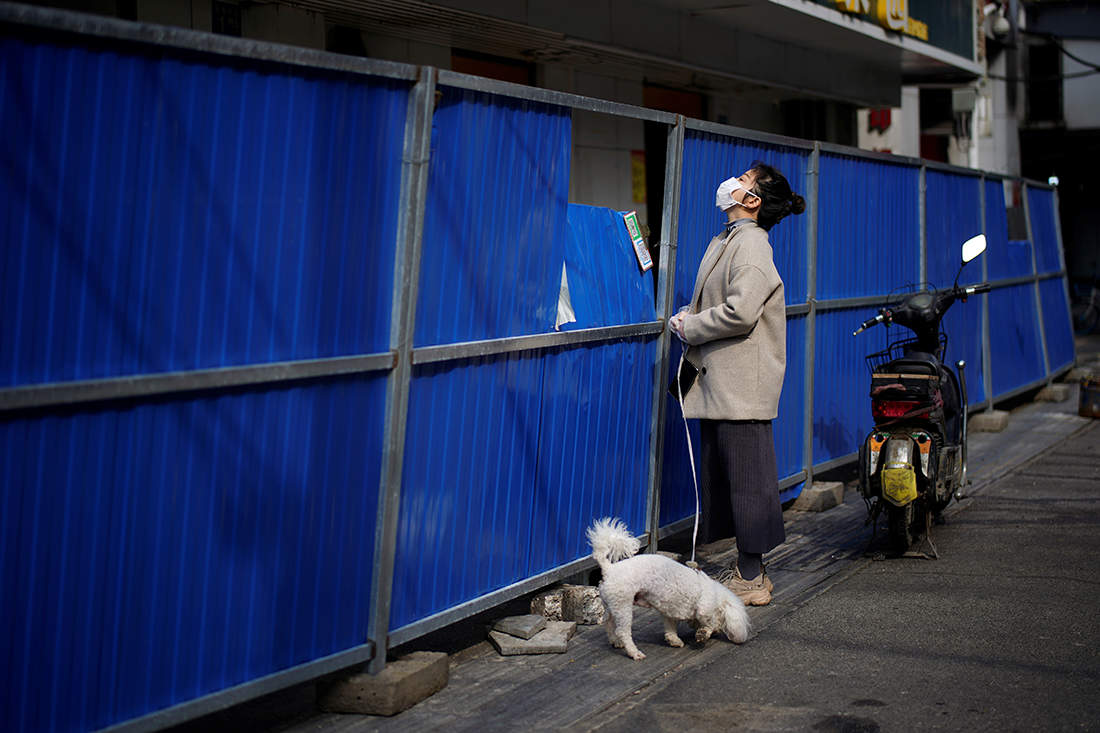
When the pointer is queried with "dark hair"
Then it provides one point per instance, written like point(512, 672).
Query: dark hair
point(776, 197)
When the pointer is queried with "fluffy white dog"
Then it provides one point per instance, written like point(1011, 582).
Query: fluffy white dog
point(676, 591)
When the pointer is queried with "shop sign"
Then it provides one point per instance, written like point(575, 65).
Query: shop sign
point(893, 15)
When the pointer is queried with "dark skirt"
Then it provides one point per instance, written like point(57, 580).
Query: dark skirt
point(739, 490)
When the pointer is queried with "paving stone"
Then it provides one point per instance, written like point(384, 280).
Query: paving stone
point(582, 603)
point(524, 626)
point(400, 685)
point(1053, 393)
point(548, 603)
point(993, 421)
point(821, 495)
point(554, 639)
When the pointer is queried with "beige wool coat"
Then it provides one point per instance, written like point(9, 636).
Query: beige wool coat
point(737, 329)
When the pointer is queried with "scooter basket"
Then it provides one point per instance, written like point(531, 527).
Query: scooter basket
point(897, 350)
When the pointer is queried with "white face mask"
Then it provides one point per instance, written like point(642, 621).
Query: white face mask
point(723, 198)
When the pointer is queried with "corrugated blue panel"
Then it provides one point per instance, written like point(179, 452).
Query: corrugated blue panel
point(164, 214)
point(789, 427)
point(606, 285)
point(593, 446)
point(868, 235)
point(1005, 258)
point(710, 159)
point(496, 215)
point(1040, 202)
point(508, 460)
point(842, 383)
point(953, 214)
point(963, 324)
point(1016, 352)
point(150, 554)
point(1057, 322)
point(677, 489)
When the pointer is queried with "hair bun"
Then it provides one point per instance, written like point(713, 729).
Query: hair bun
point(798, 204)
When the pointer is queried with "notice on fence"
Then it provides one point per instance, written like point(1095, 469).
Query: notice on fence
point(635, 232)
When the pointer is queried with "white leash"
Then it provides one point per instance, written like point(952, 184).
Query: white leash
point(691, 454)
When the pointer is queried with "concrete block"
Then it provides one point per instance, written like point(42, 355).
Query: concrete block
point(1053, 393)
point(1075, 375)
point(554, 639)
point(582, 603)
point(819, 496)
point(993, 421)
point(400, 685)
point(524, 626)
point(548, 603)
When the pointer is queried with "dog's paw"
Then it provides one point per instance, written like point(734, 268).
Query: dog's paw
point(673, 640)
point(637, 655)
point(616, 643)
point(702, 635)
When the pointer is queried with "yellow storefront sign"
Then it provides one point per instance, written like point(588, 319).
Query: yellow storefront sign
point(892, 15)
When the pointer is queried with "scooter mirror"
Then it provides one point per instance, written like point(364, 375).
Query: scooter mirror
point(973, 247)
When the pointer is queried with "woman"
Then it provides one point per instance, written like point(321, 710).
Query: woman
point(736, 327)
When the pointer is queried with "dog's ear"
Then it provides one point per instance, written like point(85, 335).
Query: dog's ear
point(736, 624)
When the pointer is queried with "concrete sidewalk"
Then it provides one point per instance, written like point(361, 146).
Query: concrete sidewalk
point(895, 643)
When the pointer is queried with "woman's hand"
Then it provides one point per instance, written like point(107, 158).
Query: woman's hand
point(676, 323)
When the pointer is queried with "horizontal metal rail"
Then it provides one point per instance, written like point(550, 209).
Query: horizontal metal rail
point(244, 692)
point(836, 149)
point(550, 96)
point(490, 347)
point(161, 36)
point(150, 385)
point(835, 463)
point(753, 135)
point(934, 165)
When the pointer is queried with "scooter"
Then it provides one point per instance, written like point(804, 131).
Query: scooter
point(914, 460)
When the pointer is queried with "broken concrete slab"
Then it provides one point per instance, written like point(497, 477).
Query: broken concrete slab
point(548, 603)
point(1053, 393)
point(993, 421)
point(523, 627)
point(819, 496)
point(582, 603)
point(400, 685)
point(554, 639)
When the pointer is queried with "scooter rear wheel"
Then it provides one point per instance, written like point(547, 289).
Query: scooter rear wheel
point(905, 525)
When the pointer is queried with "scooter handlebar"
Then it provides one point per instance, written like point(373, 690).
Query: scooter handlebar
point(869, 322)
point(979, 288)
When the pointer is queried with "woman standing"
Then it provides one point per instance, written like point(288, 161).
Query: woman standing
point(736, 327)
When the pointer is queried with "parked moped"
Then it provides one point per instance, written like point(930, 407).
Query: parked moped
point(914, 460)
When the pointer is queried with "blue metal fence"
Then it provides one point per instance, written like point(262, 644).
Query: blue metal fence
point(201, 411)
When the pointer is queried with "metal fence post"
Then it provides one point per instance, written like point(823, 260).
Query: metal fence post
point(1035, 286)
point(666, 287)
point(922, 209)
point(414, 186)
point(812, 177)
point(987, 302)
point(1062, 263)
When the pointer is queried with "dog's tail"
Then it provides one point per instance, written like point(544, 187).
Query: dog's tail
point(611, 541)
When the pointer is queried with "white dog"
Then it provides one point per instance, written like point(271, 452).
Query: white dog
point(677, 592)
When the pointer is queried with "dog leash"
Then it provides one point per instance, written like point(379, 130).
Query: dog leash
point(691, 454)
